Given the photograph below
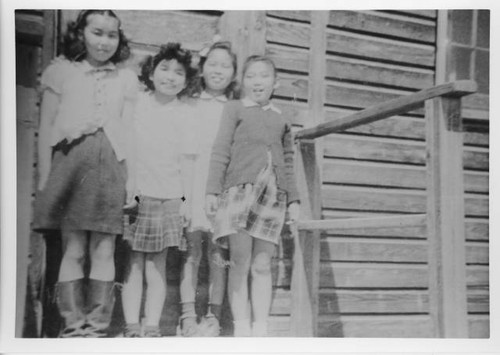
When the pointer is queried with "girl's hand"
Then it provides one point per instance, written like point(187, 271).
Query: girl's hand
point(211, 205)
point(293, 212)
point(132, 200)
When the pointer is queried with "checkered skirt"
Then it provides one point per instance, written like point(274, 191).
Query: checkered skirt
point(259, 209)
point(156, 225)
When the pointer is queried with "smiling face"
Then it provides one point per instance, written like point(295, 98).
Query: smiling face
point(218, 71)
point(101, 37)
point(169, 78)
point(259, 82)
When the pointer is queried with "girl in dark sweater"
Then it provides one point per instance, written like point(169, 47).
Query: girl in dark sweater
point(251, 184)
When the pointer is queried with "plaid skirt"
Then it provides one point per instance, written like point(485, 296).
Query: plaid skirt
point(156, 225)
point(258, 209)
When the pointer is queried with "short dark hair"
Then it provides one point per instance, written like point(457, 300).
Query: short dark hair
point(258, 58)
point(168, 52)
point(231, 91)
point(73, 43)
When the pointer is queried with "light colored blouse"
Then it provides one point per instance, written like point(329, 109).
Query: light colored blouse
point(164, 136)
point(208, 112)
point(90, 98)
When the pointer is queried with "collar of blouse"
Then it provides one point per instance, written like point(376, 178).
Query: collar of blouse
point(250, 103)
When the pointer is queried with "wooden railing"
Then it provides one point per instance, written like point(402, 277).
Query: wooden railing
point(444, 217)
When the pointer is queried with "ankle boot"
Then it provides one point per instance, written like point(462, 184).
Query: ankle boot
point(100, 300)
point(69, 298)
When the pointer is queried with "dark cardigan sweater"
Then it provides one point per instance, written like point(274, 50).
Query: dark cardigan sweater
point(239, 152)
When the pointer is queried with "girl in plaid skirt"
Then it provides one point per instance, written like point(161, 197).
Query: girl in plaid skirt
point(251, 183)
point(162, 167)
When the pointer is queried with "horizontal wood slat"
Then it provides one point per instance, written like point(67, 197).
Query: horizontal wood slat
point(286, 32)
point(374, 222)
point(476, 229)
point(341, 68)
point(391, 200)
point(392, 175)
point(387, 326)
point(393, 150)
point(343, 248)
point(400, 126)
point(355, 275)
point(379, 49)
point(304, 16)
point(353, 301)
point(379, 23)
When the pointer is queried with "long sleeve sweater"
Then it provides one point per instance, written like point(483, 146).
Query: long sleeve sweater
point(240, 149)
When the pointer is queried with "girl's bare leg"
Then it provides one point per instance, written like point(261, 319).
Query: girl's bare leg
point(261, 284)
point(155, 270)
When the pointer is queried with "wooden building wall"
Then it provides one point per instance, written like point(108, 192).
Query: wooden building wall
point(373, 283)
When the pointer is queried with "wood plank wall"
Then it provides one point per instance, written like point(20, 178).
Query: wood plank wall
point(373, 283)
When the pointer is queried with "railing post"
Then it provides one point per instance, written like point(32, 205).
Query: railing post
point(445, 217)
point(305, 273)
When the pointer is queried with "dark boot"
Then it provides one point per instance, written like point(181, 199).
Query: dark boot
point(69, 298)
point(100, 299)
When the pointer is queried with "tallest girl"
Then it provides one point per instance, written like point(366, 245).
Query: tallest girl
point(86, 104)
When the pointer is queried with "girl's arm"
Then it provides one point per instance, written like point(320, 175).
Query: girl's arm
point(291, 182)
point(48, 112)
point(187, 171)
point(131, 151)
point(129, 120)
point(221, 151)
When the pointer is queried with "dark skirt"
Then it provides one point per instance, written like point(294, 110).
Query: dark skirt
point(85, 189)
point(157, 225)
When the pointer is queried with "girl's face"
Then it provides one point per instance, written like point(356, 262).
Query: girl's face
point(259, 82)
point(101, 37)
point(169, 78)
point(218, 71)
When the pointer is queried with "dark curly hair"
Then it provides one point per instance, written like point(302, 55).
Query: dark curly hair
point(167, 52)
point(232, 90)
point(73, 43)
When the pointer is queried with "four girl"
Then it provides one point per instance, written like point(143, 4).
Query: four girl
point(117, 160)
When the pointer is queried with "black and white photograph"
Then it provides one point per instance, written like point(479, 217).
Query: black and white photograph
point(249, 178)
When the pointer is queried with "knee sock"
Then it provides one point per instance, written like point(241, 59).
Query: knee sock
point(188, 310)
